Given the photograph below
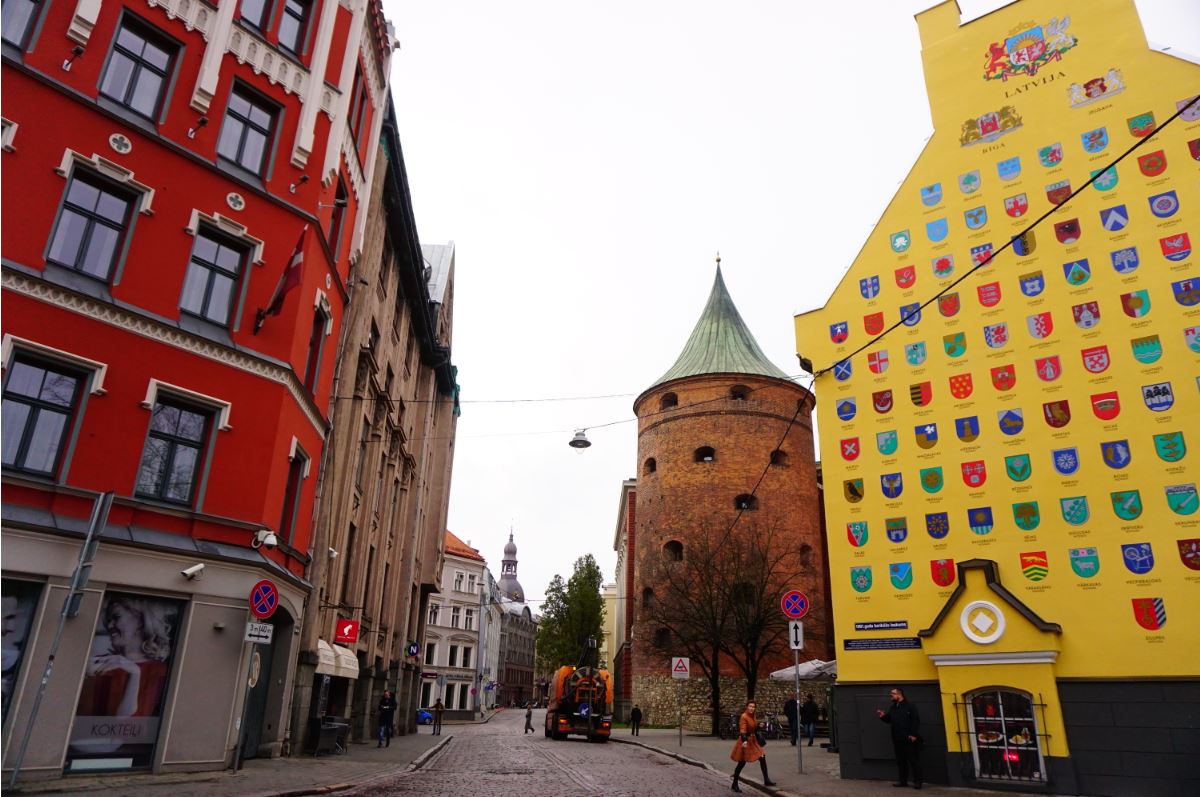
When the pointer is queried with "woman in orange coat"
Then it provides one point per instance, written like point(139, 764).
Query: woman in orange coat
point(746, 747)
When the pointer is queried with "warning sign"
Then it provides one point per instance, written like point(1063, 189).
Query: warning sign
point(680, 667)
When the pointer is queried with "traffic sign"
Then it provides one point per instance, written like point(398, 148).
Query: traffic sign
point(346, 631)
point(259, 632)
point(796, 635)
point(794, 604)
point(413, 648)
point(264, 599)
point(680, 667)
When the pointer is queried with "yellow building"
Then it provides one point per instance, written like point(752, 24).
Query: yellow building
point(1009, 451)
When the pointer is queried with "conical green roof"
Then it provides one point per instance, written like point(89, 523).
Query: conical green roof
point(720, 343)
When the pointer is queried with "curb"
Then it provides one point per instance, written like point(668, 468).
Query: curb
point(332, 788)
point(704, 765)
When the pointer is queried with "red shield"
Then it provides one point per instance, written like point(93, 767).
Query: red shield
point(1057, 413)
point(1004, 377)
point(850, 449)
point(873, 323)
point(1057, 193)
point(1194, 148)
point(974, 473)
point(948, 304)
point(1016, 206)
point(1145, 611)
point(942, 571)
point(1106, 405)
point(906, 277)
point(989, 295)
point(921, 393)
point(877, 361)
point(961, 386)
point(1067, 232)
point(1095, 359)
point(1189, 553)
point(1175, 247)
point(1040, 325)
point(1153, 164)
point(1048, 368)
point(882, 401)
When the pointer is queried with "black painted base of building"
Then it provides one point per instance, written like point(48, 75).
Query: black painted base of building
point(1127, 739)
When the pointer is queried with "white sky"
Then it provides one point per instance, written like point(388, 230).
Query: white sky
point(588, 160)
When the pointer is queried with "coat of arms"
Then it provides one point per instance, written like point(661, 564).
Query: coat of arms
point(1150, 613)
point(1026, 515)
point(1027, 49)
point(989, 127)
point(1096, 89)
point(1034, 565)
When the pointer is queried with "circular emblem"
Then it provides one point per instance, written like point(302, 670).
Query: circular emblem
point(264, 599)
point(120, 143)
point(328, 282)
point(255, 669)
point(982, 622)
point(235, 200)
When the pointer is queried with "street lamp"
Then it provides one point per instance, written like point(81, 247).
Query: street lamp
point(579, 442)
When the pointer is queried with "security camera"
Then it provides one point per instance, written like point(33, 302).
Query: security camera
point(265, 538)
point(194, 572)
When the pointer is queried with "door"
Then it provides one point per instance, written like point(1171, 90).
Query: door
point(259, 681)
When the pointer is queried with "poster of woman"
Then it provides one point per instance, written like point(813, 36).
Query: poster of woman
point(125, 681)
point(19, 600)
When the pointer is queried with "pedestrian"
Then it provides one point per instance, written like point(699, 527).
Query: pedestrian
point(808, 717)
point(635, 720)
point(528, 718)
point(906, 737)
point(438, 709)
point(789, 711)
point(746, 746)
point(386, 718)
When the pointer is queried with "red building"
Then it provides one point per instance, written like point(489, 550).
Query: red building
point(175, 176)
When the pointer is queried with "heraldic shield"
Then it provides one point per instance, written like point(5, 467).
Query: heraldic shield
point(857, 533)
point(1170, 447)
point(974, 473)
point(887, 442)
point(1034, 565)
point(932, 479)
point(942, 571)
point(852, 489)
point(961, 386)
point(937, 524)
point(1182, 499)
point(1018, 467)
point(901, 574)
point(860, 578)
point(1085, 562)
point(1075, 509)
point(1138, 557)
point(1150, 613)
point(967, 428)
point(1026, 515)
point(1189, 553)
point(1127, 504)
point(846, 408)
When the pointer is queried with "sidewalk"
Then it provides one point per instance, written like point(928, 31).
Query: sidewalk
point(265, 777)
point(822, 771)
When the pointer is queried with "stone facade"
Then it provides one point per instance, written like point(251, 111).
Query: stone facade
point(658, 697)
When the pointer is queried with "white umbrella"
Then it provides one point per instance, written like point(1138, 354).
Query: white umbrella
point(808, 670)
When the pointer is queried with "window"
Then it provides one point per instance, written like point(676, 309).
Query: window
point(1004, 736)
point(647, 597)
point(739, 392)
point(673, 551)
point(433, 613)
point(458, 581)
point(668, 401)
point(373, 340)
point(466, 657)
point(292, 25)
point(246, 134)
point(171, 459)
point(316, 347)
point(212, 276)
point(426, 694)
point(431, 651)
point(779, 457)
point(469, 620)
point(471, 582)
point(90, 226)
point(455, 617)
point(138, 69)
point(291, 496)
point(256, 13)
point(364, 438)
point(346, 560)
point(662, 638)
point(453, 660)
point(651, 465)
point(806, 552)
point(39, 400)
point(17, 21)
point(705, 454)
point(745, 501)
point(337, 217)
point(360, 105)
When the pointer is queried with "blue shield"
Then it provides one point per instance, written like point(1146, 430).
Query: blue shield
point(996, 335)
point(980, 520)
point(1011, 421)
point(926, 434)
point(1164, 205)
point(1033, 284)
point(897, 529)
point(1024, 244)
point(839, 332)
point(1009, 169)
point(1182, 499)
point(1095, 140)
point(1066, 460)
point(931, 194)
point(1125, 261)
point(1159, 397)
point(1077, 272)
point(1187, 292)
point(914, 353)
point(1138, 557)
point(901, 574)
point(937, 230)
point(869, 287)
point(910, 314)
point(846, 408)
point(892, 484)
point(887, 442)
point(1115, 218)
point(975, 217)
point(842, 370)
point(937, 524)
point(1116, 454)
point(967, 428)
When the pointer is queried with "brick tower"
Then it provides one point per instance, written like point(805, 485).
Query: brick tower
point(708, 430)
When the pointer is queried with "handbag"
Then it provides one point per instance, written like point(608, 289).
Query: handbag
point(760, 737)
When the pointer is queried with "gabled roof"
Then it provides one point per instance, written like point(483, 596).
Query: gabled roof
point(721, 343)
point(456, 547)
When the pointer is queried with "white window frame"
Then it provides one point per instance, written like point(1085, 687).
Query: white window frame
point(143, 194)
point(469, 620)
point(11, 344)
point(452, 656)
point(455, 616)
point(431, 660)
point(221, 408)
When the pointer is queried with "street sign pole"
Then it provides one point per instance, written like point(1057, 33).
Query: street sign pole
point(796, 640)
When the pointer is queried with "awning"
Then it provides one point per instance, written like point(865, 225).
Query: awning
point(336, 660)
point(809, 670)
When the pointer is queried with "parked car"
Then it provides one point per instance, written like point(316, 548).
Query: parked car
point(424, 717)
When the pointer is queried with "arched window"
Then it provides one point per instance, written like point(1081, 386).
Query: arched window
point(745, 501)
point(647, 597)
point(779, 457)
point(651, 466)
point(662, 638)
point(668, 401)
point(1004, 736)
point(705, 454)
point(673, 551)
point(806, 555)
point(739, 392)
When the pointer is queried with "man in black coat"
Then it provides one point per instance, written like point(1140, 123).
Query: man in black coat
point(906, 737)
point(635, 721)
point(387, 717)
point(808, 718)
point(789, 711)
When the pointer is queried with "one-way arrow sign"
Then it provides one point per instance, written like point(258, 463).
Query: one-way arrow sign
point(259, 632)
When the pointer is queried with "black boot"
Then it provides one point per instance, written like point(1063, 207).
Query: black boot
point(762, 763)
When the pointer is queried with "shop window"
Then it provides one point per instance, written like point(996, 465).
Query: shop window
point(19, 604)
point(139, 68)
point(1005, 743)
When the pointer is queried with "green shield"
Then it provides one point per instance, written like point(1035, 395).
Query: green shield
point(1026, 515)
point(1018, 467)
point(1170, 447)
point(860, 578)
point(1127, 504)
point(932, 480)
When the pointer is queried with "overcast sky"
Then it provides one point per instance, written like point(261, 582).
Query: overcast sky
point(589, 160)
